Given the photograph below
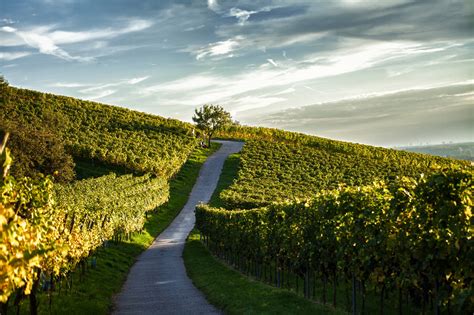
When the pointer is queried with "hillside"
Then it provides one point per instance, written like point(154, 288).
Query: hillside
point(137, 141)
point(320, 211)
point(392, 226)
point(276, 166)
point(125, 160)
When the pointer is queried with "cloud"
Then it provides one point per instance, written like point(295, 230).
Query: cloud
point(222, 48)
point(69, 84)
point(194, 28)
point(132, 81)
point(137, 80)
point(8, 56)
point(8, 29)
point(101, 94)
point(286, 91)
point(207, 87)
point(97, 91)
point(213, 5)
point(329, 21)
point(241, 15)
point(44, 44)
point(46, 39)
point(272, 62)
point(408, 116)
point(7, 21)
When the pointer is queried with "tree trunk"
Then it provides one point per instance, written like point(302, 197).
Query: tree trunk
point(209, 140)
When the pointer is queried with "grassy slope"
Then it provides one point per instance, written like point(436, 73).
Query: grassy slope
point(235, 293)
point(229, 172)
point(93, 294)
point(230, 290)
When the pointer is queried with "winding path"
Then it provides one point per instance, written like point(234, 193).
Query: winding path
point(157, 282)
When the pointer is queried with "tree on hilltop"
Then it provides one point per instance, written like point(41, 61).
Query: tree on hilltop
point(210, 118)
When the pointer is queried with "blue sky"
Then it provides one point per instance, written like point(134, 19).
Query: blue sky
point(253, 57)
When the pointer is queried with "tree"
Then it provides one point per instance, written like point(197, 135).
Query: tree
point(210, 118)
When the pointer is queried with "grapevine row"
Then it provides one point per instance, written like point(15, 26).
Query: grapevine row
point(277, 171)
point(137, 141)
point(410, 235)
point(50, 229)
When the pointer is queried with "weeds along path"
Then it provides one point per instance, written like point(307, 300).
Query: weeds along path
point(157, 282)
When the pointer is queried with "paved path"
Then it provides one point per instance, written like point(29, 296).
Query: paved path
point(157, 282)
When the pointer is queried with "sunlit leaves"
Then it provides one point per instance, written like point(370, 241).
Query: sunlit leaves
point(413, 234)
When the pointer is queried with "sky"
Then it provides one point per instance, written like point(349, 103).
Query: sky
point(256, 58)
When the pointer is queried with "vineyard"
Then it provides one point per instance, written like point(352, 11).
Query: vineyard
point(49, 228)
point(137, 141)
point(278, 171)
point(366, 229)
point(380, 225)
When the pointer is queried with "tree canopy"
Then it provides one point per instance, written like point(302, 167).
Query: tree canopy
point(210, 118)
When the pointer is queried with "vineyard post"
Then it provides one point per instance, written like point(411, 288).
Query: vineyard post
point(354, 300)
point(33, 300)
point(306, 284)
point(288, 273)
point(437, 308)
point(363, 298)
point(382, 293)
point(400, 300)
point(325, 280)
point(4, 307)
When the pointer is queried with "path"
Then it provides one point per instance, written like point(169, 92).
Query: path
point(157, 282)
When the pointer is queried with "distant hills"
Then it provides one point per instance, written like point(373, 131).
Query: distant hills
point(462, 151)
point(414, 116)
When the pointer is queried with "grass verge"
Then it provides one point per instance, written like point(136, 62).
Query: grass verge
point(235, 293)
point(92, 292)
point(229, 173)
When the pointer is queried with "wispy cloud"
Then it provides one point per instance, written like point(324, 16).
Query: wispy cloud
point(219, 49)
point(97, 91)
point(394, 118)
point(101, 94)
point(241, 15)
point(8, 56)
point(132, 81)
point(7, 21)
point(69, 85)
point(207, 87)
point(272, 62)
point(137, 80)
point(43, 43)
point(47, 39)
point(213, 5)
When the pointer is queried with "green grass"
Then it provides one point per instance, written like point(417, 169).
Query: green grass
point(235, 293)
point(229, 173)
point(93, 292)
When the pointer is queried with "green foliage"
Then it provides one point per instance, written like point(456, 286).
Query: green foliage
point(37, 151)
point(234, 293)
point(412, 235)
point(92, 291)
point(228, 174)
point(137, 141)
point(278, 171)
point(211, 118)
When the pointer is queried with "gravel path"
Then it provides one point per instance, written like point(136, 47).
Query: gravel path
point(157, 282)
